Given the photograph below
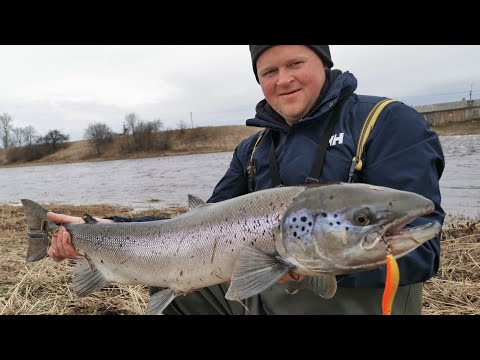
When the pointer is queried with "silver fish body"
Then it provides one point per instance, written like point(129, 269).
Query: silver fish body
point(252, 241)
point(187, 252)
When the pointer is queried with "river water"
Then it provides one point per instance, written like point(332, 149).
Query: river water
point(166, 181)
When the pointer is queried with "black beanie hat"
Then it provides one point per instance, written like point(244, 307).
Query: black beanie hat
point(323, 51)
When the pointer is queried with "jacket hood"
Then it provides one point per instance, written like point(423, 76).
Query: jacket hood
point(337, 86)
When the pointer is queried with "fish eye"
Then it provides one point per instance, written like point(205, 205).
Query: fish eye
point(362, 217)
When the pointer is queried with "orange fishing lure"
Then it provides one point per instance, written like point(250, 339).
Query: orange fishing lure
point(391, 284)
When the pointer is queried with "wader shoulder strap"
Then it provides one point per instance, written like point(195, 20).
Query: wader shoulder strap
point(368, 125)
point(276, 181)
point(251, 166)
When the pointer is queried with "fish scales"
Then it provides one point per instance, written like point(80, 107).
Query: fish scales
point(197, 250)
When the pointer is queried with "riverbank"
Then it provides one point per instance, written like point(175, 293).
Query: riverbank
point(45, 287)
point(188, 141)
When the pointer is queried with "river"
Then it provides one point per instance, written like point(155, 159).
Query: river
point(165, 181)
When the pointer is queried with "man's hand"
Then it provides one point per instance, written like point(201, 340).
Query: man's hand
point(61, 244)
point(291, 277)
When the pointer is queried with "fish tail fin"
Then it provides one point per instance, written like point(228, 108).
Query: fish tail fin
point(38, 230)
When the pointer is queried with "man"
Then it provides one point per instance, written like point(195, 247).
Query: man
point(310, 109)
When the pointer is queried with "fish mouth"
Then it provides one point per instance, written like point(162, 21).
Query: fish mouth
point(397, 230)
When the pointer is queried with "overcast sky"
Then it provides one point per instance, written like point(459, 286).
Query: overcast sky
point(68, 87)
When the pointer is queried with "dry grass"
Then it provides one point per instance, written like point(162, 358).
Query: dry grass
point(456, 289)
point(45, 287)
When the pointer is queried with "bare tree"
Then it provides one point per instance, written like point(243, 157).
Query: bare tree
point(99, 134)
point(17, 137)
point(29, 135)
point(6, 126)
point(182, 126)
point(143, 136)
point(156, 125)
point(53, 138)
point(131, 121)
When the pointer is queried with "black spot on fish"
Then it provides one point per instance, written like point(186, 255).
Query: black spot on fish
point(291, 227)
point(101, 261)
point(335, 215)
point(244, 238)
point(252, 243)
point(309, 223)
point(324, 214)
point(181, 273)
point(121, 245)
point(390, 203)
point(303, 228)
point(331, 224)
point(295, 234)
point(128, 237)
point(331, 197)
point(294, 219)
point(338, 222)
point(347, 228)
point(304, 219)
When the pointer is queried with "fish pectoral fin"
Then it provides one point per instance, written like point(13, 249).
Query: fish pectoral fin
point(159, 301)
point(255, 271)
point(323, 285)
point(87, 278)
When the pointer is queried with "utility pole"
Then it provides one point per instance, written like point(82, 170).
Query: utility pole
point(191, 119)
point(471, 102)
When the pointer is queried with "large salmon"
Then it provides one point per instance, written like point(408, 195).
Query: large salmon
point(251, 240)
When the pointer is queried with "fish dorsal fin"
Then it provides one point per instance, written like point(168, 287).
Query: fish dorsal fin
point(253, 272)
point(159, 301)
point(323, 285)
point(87, 278)
point(194, 202)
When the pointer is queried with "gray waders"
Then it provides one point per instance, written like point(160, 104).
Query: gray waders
point(277, 301)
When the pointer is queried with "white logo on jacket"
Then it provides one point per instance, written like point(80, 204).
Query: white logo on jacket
point(336, 139)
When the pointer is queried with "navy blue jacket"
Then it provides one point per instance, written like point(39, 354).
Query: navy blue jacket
point(401, 152)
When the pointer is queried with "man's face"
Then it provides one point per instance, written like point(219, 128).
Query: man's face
point(291, 77)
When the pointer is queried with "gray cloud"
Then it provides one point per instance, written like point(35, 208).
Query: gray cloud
point(68, 87)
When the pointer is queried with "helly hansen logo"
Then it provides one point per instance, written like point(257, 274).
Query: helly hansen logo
point(336, 139)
